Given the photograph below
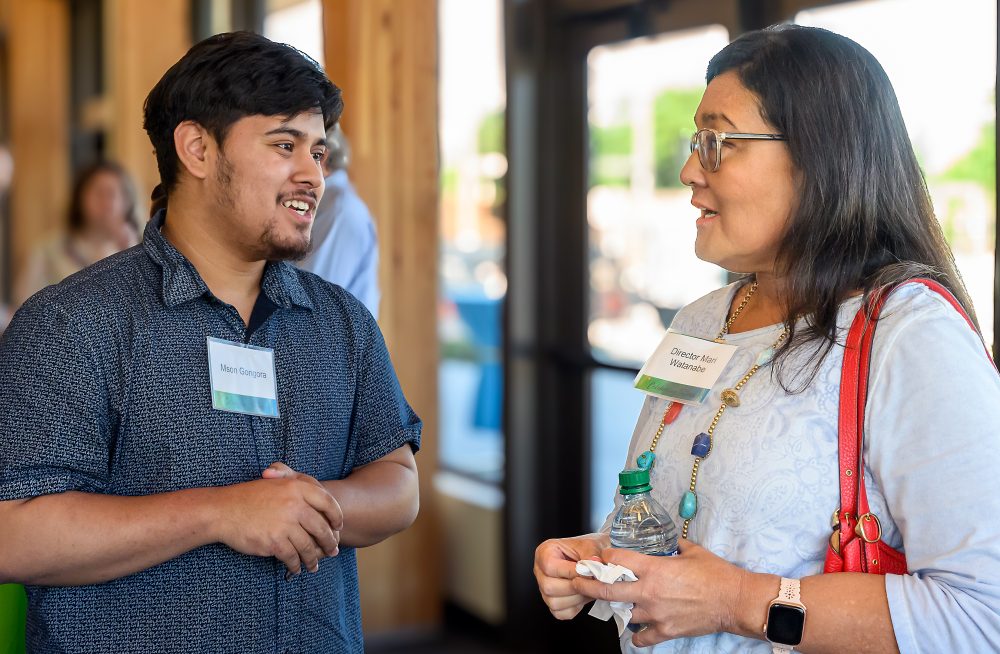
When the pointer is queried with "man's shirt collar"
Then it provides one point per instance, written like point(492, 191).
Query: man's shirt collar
point(181, 281)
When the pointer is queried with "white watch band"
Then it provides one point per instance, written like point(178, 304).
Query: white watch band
point(789, 591)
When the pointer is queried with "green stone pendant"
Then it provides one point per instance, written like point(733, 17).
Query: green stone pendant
point(689, 505)
point(645, 460)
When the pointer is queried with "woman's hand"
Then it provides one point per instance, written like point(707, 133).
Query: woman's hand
point(691, 594)
point(555, 570)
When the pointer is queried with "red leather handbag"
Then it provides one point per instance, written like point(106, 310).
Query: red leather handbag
point(856, 542)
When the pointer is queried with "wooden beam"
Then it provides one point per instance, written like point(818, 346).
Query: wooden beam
point(39, 121)
point(142, 40)
point(383, 54)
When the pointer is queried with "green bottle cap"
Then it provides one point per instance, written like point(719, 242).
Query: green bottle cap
point(634, 481)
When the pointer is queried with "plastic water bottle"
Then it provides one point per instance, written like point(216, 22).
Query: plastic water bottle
point(641, 524)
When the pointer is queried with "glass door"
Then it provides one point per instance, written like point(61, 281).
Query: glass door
point(641, 98)
point(600, 109)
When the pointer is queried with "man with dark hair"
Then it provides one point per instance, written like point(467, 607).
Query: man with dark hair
point(196, 435)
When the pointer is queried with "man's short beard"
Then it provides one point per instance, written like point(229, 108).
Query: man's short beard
point(272, 250)
point(268, 246)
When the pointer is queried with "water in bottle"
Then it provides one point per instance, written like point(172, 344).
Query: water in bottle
point(641, 524)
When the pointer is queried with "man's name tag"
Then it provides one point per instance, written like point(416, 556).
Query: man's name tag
point(243, 379)
point(684, 368)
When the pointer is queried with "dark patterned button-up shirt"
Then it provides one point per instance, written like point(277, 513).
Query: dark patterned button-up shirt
point(105, 389)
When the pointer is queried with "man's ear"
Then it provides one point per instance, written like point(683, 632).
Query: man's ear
point(192, 144)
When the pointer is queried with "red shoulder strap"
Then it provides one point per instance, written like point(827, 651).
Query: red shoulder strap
point(854, 395)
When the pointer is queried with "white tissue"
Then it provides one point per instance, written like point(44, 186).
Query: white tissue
point(609, 573)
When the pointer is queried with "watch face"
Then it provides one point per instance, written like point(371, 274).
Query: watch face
point(784, 624)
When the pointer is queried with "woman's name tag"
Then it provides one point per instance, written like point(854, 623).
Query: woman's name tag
point(684, 368)
point(243, 379)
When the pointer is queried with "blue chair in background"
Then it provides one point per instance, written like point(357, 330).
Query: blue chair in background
point(482, 315)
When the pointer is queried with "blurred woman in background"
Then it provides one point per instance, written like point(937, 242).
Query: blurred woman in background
point(103, 219)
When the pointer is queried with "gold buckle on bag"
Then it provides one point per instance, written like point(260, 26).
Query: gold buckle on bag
point(868, 517)
point(835, 536)
point(835, 542)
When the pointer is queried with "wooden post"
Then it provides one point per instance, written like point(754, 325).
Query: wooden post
point(38, 70)
point(383, 54)
point(142, 40)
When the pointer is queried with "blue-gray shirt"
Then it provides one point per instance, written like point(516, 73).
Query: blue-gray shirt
point(106, 389)
point(345, 248)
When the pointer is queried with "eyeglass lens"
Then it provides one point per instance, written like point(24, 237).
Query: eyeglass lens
point(708, 146)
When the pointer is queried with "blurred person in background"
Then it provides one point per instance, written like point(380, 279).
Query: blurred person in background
point(344, 245)
point(6, 176)
point(103, 218)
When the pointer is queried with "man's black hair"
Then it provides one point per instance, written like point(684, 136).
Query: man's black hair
point(227, 77)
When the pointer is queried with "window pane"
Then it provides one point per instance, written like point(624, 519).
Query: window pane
point(298, 23)
point(614, 407)
point(642, 98)
point(942, 64)
point(473, 280)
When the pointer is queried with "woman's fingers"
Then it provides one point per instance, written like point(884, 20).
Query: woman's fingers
point(650, 635)
point(574, 602)
point(568, 614)
point(622, 591)
point(558, 568)
point(553, 587)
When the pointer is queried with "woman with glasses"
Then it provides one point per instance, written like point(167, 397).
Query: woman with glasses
point(805, 182)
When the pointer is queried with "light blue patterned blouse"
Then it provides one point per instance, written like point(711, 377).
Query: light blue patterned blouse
point(932, 454)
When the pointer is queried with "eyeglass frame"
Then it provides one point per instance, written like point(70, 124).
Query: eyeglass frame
point(720, 138)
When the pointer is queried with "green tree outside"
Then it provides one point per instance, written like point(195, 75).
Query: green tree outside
point(490, 135)
point(673, 116)
point(980, 164)
point(610, 155)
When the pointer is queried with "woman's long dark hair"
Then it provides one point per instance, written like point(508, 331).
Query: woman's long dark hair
point(77, 221)
point(864, 218)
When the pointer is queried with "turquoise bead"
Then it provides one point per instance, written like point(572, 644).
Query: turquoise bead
point(689, 505)
point(645, 460)
point(765, 357)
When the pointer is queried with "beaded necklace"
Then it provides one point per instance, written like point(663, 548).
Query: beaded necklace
point(703, 442)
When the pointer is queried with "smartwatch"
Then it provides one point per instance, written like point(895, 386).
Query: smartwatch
point(786, 618)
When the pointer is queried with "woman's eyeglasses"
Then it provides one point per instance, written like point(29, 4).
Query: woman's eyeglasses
point(708, 143)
